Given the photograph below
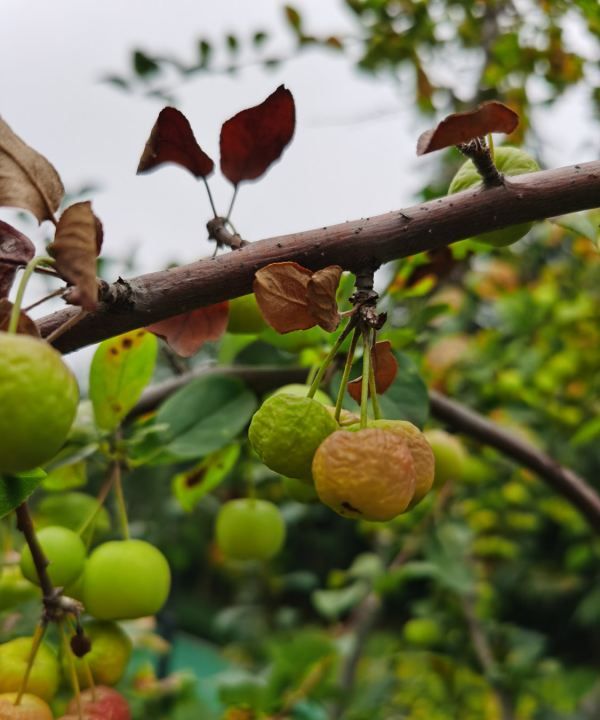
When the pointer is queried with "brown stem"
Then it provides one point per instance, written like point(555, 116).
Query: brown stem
point(221, 235)
point(25, 525)
point(479, 152)
point(371, 241)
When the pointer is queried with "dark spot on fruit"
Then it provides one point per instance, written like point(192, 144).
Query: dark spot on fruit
point(114, 351)
point(126, 343)
point(350, 508)
point(195, 478)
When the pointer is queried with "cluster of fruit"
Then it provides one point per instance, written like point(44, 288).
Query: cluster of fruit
point(374, 473)
point(105, 663)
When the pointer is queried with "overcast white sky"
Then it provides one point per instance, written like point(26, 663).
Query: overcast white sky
point(52, 55)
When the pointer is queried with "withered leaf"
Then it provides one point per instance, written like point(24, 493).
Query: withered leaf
point(321, 295)
point(186, 333)
point(281, 294)
point(172, 140)
point(74, 249)
point(254, 138)
point(459, 128)
point(385, 367)
point(25, 326)
point(15, 249)
point(27, 179)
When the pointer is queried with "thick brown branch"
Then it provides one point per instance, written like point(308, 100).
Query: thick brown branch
point(562, 480)
point(352, 245)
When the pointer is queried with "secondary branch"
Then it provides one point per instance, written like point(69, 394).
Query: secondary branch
point(355, 245)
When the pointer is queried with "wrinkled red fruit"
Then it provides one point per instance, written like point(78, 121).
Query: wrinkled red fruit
point(108, 705)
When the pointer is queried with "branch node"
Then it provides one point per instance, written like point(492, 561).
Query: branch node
point(479, 152)
point(219, 233)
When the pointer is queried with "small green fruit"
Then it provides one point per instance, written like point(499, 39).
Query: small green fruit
point(250, 529)
point(510, 161)
point(301, 390)
point(38, 398)
point(245, 316)
point(108, 658)
point(65, 552)
point(450, 456)
point(45, 674)
point(422, 632)
point(286, 431)
point(125, 579)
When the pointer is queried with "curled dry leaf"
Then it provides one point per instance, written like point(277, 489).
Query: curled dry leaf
point(25, 326)
point(186, 333)
point(172, 140)
point(385, 367)
point(27, 179)
point(76, 241)
point(321, 295)
point(15, 249)
point(256, 137)
point(280, 290)
point(462, 127)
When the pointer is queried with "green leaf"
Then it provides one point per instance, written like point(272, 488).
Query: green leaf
point(333, 603)
point(66, 477)
point(121, 369)
point(407, 397)
point(578, 224)
point(192, 485)
point(15, 489)
point(205, 415)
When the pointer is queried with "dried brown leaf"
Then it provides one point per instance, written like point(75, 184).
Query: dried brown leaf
point(25, 326)
point(462, 127)
point(27, 179)
point(172, 140)
point(280, 290)
point(74, 249)
point(256, 137)
point(15, 249)
point(385, 367)
point(186, 333)
point(321, 295)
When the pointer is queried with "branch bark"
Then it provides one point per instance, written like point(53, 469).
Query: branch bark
point(561, 479)
point(368, 242)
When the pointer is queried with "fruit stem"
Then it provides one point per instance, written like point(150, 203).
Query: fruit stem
point(89, 677)
point(122, 508)
point(35, 646)
point(72, 672)
point(373, 385)
point(364, 391)
point(490, 142)
point(330, 355)
point(346, 374)
point(25, 525)
point(15, 313)
point(102, 495)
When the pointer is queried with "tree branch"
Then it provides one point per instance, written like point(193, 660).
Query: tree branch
point(562, 480)
point(352, 245)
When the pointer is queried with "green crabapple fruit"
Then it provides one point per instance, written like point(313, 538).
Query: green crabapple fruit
point(125, 579)
point(38, 397)
point(286, 431)
point(245, 316)
point(509, 161)
point(250, 529)
point(45, 673)
point(302, 391)
point(450, 456)
point(65, 552)
point(108, 658)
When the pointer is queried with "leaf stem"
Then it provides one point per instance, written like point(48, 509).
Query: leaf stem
point(28, 272)
point(330, 355)
point(232, 203)
point(346, 374)
point(210, 197)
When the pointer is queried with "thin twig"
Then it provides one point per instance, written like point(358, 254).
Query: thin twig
point(67, 325)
